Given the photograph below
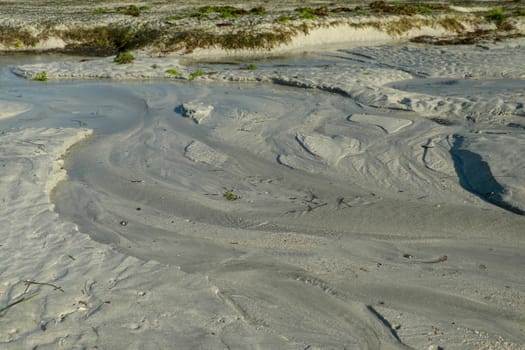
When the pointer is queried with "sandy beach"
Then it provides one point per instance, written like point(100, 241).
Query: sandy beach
point(347, 188)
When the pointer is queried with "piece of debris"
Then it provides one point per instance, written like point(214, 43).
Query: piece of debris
point(196, 111)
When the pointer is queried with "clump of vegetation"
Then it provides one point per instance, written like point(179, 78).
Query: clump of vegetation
point(124, 58)
point(257, 11)
point(251, 67)
point(284, 19)
point(358, 10)
point(306, 13)
point(173, 72)
point(227, 11)
point(221, 11)
point(229, 195)
point(496, 15)
point(195, 74)
point(423, 9)
point(407, 9)
point(467, 38)
point(18, 37)
point(132, 10)
point(108, 40)
point(312, 13)
point(241, 39)
point(519, 12)
point(100, 11)
point(42, 76)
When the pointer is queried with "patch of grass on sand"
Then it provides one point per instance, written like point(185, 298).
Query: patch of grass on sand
point(407, 9)
point(312, 13)
point(42, 76)
point(173, 72)
point(284, 19)
point(257, 11)
point(229, 195)
point(197, 73)
point(496, 15)
point(205, 12)
point(124, 58)
point(100, 11)
point(499, 17)
point(132, 10)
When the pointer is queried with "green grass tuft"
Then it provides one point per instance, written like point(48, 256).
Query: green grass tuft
point(284, 19)
point(496, 15)
point(124, 58)
point(100, 11)
point(229, 195)
point(197, 73)
point(173, 72)
point(306, 13)
point(257, 11)
point(42, 76)
point(132, 10)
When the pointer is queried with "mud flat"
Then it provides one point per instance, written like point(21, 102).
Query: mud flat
point(354, 196)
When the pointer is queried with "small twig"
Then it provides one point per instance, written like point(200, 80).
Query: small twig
point(341, 202)
point(28, 283)
point(310, 208)
point(442, 258)
point(434, 261)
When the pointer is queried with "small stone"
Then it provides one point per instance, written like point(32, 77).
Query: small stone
point(435, 347)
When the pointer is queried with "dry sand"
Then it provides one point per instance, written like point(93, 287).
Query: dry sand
point(376, 192)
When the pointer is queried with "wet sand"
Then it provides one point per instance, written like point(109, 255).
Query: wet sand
point(358, 196)
point(371, 209)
